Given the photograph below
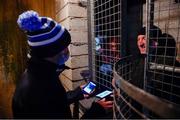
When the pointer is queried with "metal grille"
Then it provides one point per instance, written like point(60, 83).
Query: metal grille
point(106, 42)
point(163, 70)
point(133, 102)
point(122, 102)
point(125, 107)
point(160, 85)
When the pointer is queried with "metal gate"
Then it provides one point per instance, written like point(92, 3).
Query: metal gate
point(105, 34)
point(159, 96)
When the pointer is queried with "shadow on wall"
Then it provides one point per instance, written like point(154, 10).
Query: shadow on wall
point(6, 91)
point(5, 95)
point(13, 46)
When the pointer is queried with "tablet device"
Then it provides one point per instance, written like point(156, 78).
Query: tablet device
point(89, 88)
point(104, 94)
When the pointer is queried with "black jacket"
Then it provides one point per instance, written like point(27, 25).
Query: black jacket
point(138, 71)
point(40, 93)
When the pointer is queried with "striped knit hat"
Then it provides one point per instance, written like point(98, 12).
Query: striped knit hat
point(46, 37)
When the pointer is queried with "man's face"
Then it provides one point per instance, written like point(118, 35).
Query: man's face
point(113, 46)
point(65, 51)
point(141, 42)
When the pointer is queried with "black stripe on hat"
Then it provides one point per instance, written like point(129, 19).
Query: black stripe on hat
point(52, 49)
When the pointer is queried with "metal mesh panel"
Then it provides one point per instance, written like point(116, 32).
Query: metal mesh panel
point(122, 100)
point(106, 44)
point(163, 56)
point(163, 70)
point(159, 84)
point(133, 102)
point(124, 105)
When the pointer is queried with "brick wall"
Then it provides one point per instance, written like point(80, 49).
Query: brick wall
point(74, 17)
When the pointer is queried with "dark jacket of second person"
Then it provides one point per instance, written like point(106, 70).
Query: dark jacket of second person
point(40, 94)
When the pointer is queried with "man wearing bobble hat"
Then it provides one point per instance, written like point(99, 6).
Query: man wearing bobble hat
point(40, 93)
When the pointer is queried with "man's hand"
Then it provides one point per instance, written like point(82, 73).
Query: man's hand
point(106, 68)
point(105, 104)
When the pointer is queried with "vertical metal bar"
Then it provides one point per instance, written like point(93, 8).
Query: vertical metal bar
point(123, 33)
point(91, 38)
point(148, 10)
point(149, 23)
point(148, 18)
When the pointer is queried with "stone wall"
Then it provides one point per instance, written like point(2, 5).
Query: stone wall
point(70, 14)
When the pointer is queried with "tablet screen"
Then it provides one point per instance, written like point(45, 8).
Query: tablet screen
point(89, 87)
point(104, 94)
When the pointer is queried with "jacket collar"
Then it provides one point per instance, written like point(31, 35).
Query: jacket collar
point(61, 68)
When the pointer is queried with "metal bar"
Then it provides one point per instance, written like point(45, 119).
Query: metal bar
point(91, 38)
point(155, 66)
point(148, 9)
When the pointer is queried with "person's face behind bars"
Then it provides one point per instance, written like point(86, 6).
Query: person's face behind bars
point(141, 42)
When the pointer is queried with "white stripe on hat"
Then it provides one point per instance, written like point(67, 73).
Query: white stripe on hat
point(45, 42)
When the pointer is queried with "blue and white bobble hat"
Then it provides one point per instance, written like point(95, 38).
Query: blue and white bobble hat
point(46, 37)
